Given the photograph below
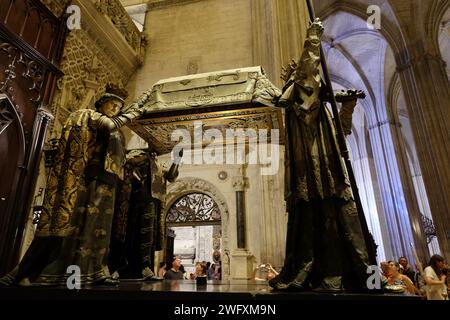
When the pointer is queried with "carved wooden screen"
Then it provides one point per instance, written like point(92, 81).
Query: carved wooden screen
point(31, 42)
point(194, 209)
point(12, 150)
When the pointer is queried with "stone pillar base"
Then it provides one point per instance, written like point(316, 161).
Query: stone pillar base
point(241, 264)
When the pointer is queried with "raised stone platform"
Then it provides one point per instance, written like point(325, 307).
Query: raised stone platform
point(185, 290)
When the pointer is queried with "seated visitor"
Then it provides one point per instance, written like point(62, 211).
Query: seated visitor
point(200, 270)
point(174, 273)
point(398, 282)
point(407, 269)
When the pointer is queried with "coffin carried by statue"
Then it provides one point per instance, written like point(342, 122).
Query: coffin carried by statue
point(230, 99)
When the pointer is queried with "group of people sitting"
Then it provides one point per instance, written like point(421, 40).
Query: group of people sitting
point(430, 283)
point(178, 272)
point(397, 277)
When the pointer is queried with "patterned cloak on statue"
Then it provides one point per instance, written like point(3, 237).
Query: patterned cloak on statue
point(79, 202)
point(325, 246)
point(137, 230)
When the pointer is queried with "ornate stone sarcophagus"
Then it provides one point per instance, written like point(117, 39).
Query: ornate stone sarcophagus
point(239, 98)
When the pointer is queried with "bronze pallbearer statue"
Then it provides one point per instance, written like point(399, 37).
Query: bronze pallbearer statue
point(137, 230)
point(75, 226)
point(327, 241)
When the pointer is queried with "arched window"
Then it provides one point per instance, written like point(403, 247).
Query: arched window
point(194, 209)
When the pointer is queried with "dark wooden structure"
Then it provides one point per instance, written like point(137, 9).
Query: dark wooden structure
point(31, 44)
point(169, 247)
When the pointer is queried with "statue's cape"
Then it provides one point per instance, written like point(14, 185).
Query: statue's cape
point(76, 147)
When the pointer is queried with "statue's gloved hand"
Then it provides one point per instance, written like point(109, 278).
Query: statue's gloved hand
point(133, 112)
point(348, 99)
point(114, 123)
point(350, 95)
point(138, 108)
point(173, 172)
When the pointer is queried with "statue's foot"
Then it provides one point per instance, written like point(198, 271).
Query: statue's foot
point(7, 281)
point(277, 284)
point(296, 286)
point(330, 285)
point(25, 283)
point(301, 282)
point(107, 282)
point(110, 282)
point(149, 275)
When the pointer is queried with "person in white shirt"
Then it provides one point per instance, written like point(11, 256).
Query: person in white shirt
point(436, 279)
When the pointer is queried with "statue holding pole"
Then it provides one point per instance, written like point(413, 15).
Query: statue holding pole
point(328, 244)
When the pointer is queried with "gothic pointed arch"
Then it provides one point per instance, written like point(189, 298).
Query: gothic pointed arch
point(434, 19)
point(390, 31)
point(366, 59)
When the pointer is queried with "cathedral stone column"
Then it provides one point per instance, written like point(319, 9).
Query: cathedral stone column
point(401, 211)
point(278, 33)
point(427, 92)
point(373, 211)
point(241, 258)
point(273, 219)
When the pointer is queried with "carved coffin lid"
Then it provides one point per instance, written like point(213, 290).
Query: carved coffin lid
point(236, 86)
point(238, 98)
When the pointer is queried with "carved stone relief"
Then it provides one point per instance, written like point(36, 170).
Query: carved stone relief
point(120, 18)
point(87, 69)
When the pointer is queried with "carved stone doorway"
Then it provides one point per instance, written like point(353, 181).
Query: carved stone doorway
point(195, 221)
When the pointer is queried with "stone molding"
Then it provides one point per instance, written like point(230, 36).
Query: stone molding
point(162, 4)
point(114, 10)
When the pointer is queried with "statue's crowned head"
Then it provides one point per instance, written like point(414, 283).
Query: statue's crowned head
point(112, 101)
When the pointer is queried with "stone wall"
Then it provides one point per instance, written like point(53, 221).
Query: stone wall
point(195, 36)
